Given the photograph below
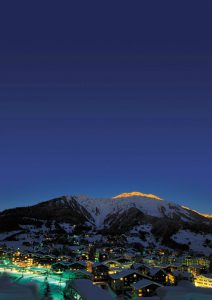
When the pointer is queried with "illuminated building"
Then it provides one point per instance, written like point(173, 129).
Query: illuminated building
point(83, 289)
point(29, 261)
point(145, 288)
point(123, 280)
point(203, 280)
point(100, 272)
point(159, 275)
point(78, 265)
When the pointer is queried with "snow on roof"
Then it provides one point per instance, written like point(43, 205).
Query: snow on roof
point(123, 274)
point(122, 258)
point(112, 261)
point(184, 291)
point(143, 283)
point(88, 290)
point(149, 257)
point(138, 265)
point(174, 264)
point(81, 272)
point(184, 274)
point(82, 263)
point(98, 264)
point(63, 263)
point(74, 248)
point(154, 271)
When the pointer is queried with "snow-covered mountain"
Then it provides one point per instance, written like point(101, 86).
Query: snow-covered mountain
point(101, 209)
point(143, 218)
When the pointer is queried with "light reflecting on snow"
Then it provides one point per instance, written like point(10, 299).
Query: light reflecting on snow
point(56, 282)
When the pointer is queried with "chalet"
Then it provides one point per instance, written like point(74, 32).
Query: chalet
point(196, 269)
point(123, 280)
point(126, 263)
point(103, 256)
point(60, 266)
point(100, 272)
point(172, 267)
point(145, 288)
point(144, 269)
point(182, 276)
point(63, 258)
point(184, 268)
point(46, 260)
point(131, 254)
point(78, 265)
point(112, 263)
point(82, 274)
point(115, 270)
point(85, 289)
point(158, 275)
point(123, 260)
point(149, 260)
point(83, 256)
point(195, 260)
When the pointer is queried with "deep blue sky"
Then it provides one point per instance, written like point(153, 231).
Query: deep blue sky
point(101, 98)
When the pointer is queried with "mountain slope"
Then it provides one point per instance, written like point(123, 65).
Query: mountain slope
point(100, 209)
point(143, 218)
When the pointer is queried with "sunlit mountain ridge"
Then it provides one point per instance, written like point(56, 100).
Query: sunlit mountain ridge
point(202, 214)
point(132, 194)
point(152, 196)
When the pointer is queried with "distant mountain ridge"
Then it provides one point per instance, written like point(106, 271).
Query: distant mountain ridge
point(143, 218)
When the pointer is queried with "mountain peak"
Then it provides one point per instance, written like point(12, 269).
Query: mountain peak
point(139, 194)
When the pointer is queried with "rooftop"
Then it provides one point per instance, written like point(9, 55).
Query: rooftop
point(123, 274)
point(143, 283)
point(88, 290)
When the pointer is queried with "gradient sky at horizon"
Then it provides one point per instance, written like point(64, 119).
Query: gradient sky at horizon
point(103, 98)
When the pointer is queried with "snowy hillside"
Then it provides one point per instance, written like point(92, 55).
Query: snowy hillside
point(144, 219)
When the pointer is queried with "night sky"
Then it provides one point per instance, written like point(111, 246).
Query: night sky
point(105, 97)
